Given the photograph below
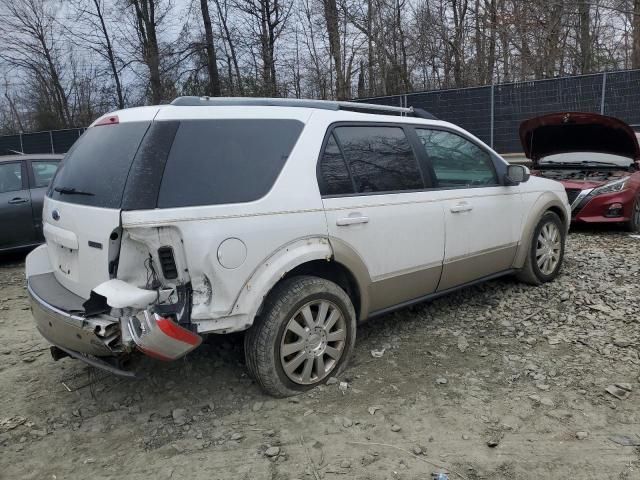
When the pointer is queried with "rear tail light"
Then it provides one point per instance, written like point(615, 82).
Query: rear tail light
point(161, 337)
point(167, 263)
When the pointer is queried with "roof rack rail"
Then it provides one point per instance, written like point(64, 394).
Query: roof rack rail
point(302, 103)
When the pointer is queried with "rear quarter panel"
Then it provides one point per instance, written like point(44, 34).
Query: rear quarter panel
point(289, 212)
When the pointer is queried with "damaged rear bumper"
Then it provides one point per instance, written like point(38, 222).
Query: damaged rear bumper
point(122, 319)
point(98, 336)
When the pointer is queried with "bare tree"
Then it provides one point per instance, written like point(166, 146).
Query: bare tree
point(212, 62)
point(97, 36)
point(32, 44)
point(146, 21)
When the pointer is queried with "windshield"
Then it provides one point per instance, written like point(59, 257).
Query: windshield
point(587, 159)
point(95, 170)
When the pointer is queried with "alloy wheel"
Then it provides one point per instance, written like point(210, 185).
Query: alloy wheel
point(313, 342)
point(548, 248)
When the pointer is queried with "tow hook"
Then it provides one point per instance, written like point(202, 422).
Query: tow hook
point(160, 337)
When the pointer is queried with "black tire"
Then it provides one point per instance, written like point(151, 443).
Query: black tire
point(531, 272)
point(633, 225)
point(262, 342)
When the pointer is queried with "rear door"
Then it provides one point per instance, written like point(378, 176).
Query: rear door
point(15, 206)
point(377, 208)
point(81, 216)
point(40, 173)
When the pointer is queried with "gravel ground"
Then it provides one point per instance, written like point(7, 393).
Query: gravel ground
point(500, 381)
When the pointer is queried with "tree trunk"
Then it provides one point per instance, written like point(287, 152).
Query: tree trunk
point(232, 48)
point(110, 55)
point(212, 61)
point(146, 24)
point(584, 36)
point(331, 19)
point(635, 56)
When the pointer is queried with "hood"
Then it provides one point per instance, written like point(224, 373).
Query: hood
point(577, 132)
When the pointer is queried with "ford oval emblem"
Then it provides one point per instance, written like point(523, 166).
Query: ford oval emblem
point(55, 215)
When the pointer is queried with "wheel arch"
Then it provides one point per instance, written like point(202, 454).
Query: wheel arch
point(548, 202)
point(315, 256)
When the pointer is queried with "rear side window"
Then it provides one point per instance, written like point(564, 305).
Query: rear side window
point(456, 161)
point(43, 172)
point(95, 170)
point(225, 161)
point(379, 158)
point(334, 176)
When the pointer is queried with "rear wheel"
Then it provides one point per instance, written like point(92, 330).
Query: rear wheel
point(633, 225)
point(304, 335)
point(546, 251)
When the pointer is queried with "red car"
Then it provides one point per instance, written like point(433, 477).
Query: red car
point(596, 158)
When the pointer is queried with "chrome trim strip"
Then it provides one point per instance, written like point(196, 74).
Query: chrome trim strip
point(580, 197)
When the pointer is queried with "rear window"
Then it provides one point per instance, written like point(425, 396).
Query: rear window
point(95, 170)
point(225, 161)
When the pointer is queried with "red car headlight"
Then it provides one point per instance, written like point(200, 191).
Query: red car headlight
point(611, 187)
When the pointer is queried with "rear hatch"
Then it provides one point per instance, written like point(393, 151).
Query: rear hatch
point(81, 217)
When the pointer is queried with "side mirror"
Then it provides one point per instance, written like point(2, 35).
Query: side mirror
point(516, 174)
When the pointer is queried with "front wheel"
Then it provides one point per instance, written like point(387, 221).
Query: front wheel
point(546, 251)
point(304, 335)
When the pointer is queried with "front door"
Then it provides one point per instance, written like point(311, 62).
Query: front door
point(482, 217)
point(377, 208)
point(15, 206)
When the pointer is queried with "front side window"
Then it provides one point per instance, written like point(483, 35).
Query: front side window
point(379, 158)
point(43, 172)
point(457, 162)
point(10, 177)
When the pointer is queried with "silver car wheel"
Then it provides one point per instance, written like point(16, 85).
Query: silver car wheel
point(313, 342)
point(548, 248)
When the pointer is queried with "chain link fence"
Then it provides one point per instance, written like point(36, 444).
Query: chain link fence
point(492, 113)
point(50, 141)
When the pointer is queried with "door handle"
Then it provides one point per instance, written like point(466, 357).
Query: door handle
point(343, 222)
point(15, 200)
point(461, 207)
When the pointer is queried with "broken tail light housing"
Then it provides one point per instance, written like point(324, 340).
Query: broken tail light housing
point(161, 337)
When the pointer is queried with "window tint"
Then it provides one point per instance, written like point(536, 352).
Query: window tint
point(10, 177)
point(43, 172)
point(98, 164)
point(225, 161)
point(379, 158)
point(334, 176)
point(457, 161)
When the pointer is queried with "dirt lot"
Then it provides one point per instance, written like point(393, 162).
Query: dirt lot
point(498, 381)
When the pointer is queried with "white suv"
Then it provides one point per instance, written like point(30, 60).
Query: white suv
point(291, 219)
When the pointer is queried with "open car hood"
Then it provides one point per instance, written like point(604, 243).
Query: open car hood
point(577, 132)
